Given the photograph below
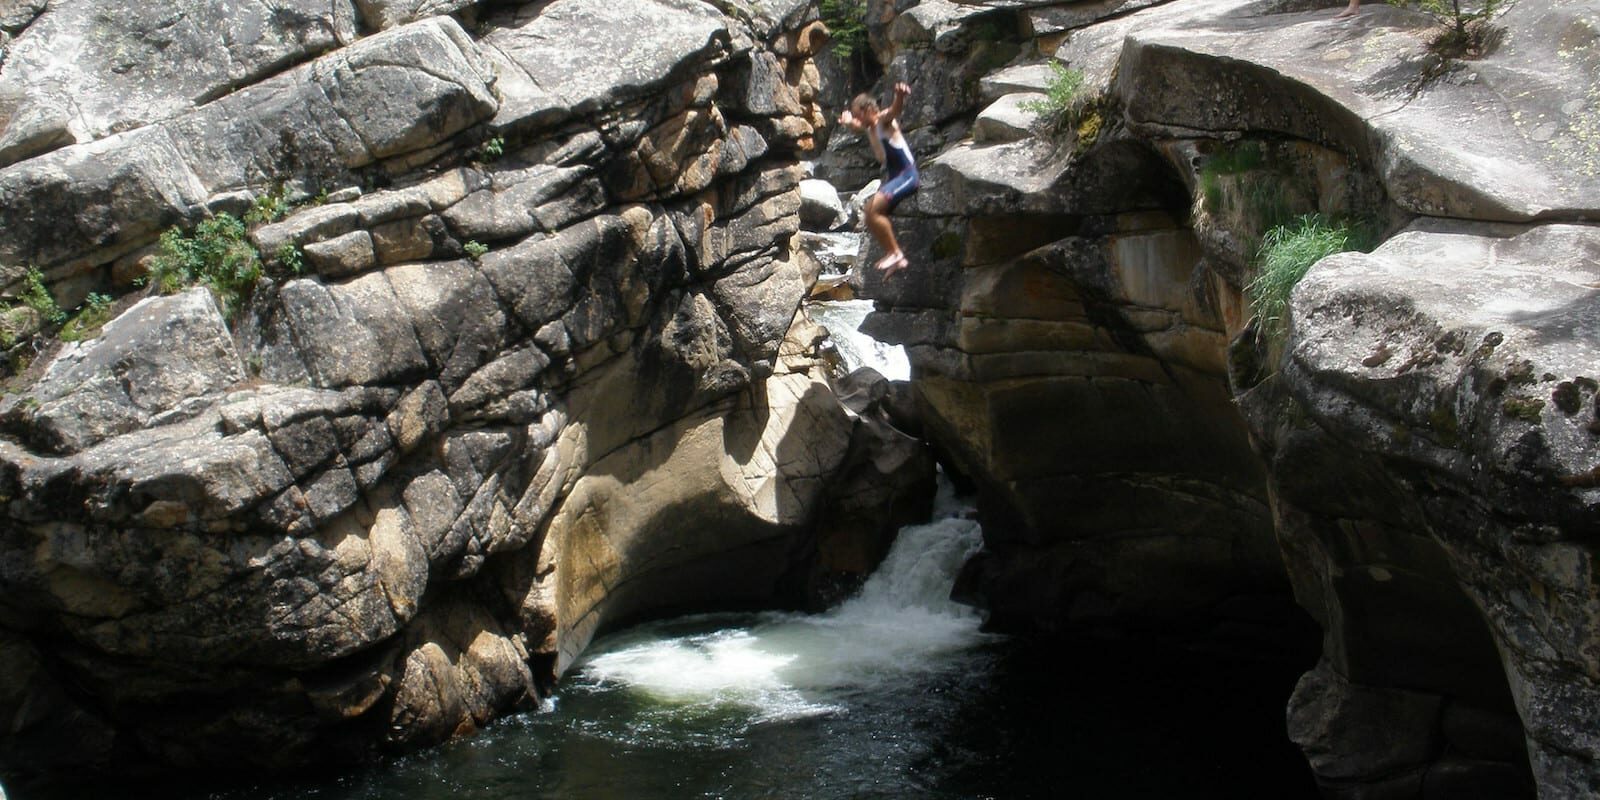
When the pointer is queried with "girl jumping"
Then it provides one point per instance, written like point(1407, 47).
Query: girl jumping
point(900, 176)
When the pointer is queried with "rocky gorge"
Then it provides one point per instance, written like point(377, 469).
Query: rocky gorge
point(524, 359)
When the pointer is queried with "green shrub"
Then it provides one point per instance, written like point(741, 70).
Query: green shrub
point(36, 295)
point(289, 257)
point(847, 25)
point(492, 150)
point(270, 206)
point(217, 253)
point(475, 250)
point(1061, 94)
point(1286, 253)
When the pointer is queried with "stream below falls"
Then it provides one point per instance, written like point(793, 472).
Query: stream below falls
point(896, 693)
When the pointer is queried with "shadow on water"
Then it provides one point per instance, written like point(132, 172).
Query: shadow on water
point(896, 693)
point(1005, 718)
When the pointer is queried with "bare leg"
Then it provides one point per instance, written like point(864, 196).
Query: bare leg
point(882, 231)
point(1350, 10)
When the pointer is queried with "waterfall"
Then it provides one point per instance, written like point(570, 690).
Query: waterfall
point(843, 320)
point(778, 666)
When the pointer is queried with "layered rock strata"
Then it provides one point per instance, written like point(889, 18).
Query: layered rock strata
point(529, 365)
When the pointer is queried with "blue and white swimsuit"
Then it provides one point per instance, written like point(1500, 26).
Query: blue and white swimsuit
point(900, 176)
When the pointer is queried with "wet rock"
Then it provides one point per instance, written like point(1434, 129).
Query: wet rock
point(349, 515)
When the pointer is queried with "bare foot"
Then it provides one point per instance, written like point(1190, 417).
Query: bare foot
point(900, 263)
point(1349, 11)
point(887, 262)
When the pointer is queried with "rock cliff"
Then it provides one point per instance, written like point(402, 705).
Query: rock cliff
point(1414, 441)
point(523, 361)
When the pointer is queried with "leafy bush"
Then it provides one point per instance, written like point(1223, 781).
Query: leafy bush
point(1286, 254)
point(492, 149)
point(847, 25)
point(289, 257)
point(475, 250)
point(217, 253)
point(270, 206)
point(36, 295)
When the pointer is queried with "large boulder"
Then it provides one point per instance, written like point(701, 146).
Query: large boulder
point(157, 355)
point(1448, 388)
point(1508, 137)
point(82, 70)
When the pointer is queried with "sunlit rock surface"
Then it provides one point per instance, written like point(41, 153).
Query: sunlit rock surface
point(1414, 447)
point(527, 363)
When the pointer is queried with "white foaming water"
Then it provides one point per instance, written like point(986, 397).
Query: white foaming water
point(788, 666)
point(843, 320)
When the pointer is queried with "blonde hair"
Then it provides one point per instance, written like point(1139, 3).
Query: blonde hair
point(864, 102)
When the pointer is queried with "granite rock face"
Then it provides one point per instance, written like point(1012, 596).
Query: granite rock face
point(1413, 444)
point(526, 364)
point(1452, 371)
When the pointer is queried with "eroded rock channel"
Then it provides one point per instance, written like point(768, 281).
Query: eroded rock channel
point(509, 350)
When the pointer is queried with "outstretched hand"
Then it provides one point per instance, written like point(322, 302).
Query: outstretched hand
point(902, 91)
point(847, 118)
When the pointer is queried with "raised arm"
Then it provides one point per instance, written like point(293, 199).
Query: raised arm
point(892, 113)
point(847, 118)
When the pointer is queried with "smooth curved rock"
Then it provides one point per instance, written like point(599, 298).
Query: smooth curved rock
point(820, 208)
point(1423, 445)
point(1456, 363)
point(1461, 144)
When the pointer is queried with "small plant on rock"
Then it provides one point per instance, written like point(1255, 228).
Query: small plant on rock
point(475, 250)
point(1061, 94)
point(1286, 254)
point(217, 253)
point(96, 312)
point(270, 206)
point(1069, 111)
point(36, 295)
point(1467, 30)
point(492, 150)
point(290, 258)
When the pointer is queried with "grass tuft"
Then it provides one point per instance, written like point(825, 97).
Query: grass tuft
point(1466, 28)
point(1061, 94)
point(1286, 254)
